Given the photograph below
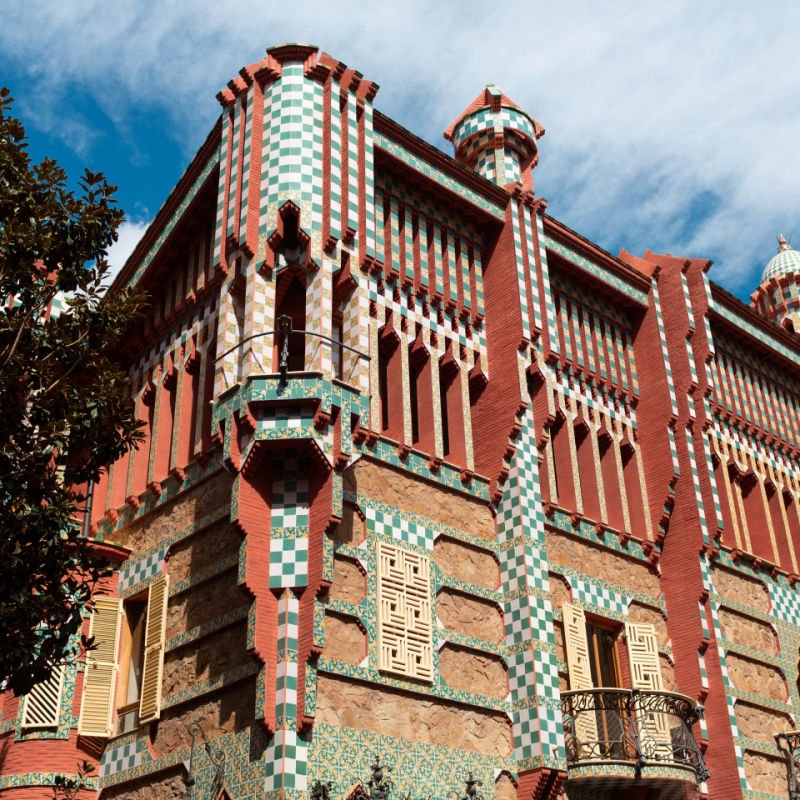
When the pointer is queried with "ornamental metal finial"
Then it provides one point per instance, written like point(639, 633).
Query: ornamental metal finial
point(379, 785)
point(472, 791)
point(321, 791)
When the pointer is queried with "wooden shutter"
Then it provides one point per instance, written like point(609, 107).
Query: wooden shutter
point(646, 675)
point(153, 668)
point(579, 666)
point(41, 706)
point(99, 679)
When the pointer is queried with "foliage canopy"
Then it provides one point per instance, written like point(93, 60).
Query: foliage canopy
point(65, 408)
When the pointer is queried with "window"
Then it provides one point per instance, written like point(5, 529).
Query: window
point(593, 665)
point(604, 664)
point(134, 671)
point(142, 657)
point(131, 664)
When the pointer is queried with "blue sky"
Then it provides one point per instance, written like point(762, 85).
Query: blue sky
point(672, 125)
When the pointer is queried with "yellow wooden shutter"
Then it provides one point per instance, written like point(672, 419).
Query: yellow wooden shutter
point(645, 667)
point(577, 646)
point(99, 679)
point(579, 666)
point(153, 668)
point(41, 706)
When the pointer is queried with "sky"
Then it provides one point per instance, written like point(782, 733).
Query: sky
point(672, 126)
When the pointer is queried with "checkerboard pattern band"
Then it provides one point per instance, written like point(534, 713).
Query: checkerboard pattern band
point(135, 572)
point(393, 526)
point(288, 562)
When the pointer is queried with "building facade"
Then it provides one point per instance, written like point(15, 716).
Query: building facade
point(437, 497)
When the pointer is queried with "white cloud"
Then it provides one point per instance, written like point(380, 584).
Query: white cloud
point(129, 233)
point(652, 109)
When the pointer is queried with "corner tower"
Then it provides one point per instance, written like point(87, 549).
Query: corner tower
point(497, 139)
point(778, 294)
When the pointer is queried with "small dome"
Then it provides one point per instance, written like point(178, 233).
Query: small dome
point(786, 262)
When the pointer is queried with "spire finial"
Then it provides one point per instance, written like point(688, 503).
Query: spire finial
point(783, 244)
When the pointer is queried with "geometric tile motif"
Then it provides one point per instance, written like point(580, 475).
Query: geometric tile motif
point(288, 562)
point(290, 492)
point(785, 604)
point(533, 668)
point(121, 757)
point(134, 572)
point(393, 526)
point(286, 762)
point(587, 592)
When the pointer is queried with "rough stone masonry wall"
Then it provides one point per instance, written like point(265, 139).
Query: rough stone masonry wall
point(462, 712)
point(757, 662)
point(209, 675)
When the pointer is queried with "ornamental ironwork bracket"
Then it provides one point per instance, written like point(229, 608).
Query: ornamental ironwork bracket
point(217, 761)
point(789, 743)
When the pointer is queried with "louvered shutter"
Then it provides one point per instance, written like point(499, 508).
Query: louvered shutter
point(41, 706)
point(153, 668)
point(579, 666)
point(100, 677)
point(645, 667)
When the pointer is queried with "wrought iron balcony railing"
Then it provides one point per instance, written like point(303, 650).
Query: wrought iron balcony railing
point(631, 726)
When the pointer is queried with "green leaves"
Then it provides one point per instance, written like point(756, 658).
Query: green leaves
point(65, 408)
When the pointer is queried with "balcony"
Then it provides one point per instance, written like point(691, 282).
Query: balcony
point(641, 735)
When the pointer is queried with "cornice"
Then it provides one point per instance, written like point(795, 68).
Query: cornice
point(207, 151)
point(440, 160)
point(722, 299)
point(561, 232)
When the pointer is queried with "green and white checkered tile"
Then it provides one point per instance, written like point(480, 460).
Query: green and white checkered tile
point(546, 667)
point(288, 619)
point(603, 597)
point(513, 170)
point(512, 118)
point(285, 417)
point(396, 527)
point(286, 762)
point(286, 694)
point(785, 604)
point(526, 733)
point(541, 618)
point(290, 506)
point(133, 573)
point(288, 562)
point(521, 675)
point(122, 757)
point(538, 577)
point(551, 730)
point(517, 620)
point(512, 570)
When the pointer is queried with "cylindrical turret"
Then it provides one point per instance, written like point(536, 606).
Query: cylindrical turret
point(778, 294)
point(497, 139)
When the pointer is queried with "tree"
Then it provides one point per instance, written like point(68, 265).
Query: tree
point(65, 407)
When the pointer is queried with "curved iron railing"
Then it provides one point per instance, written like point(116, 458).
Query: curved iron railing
point(632, 726)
